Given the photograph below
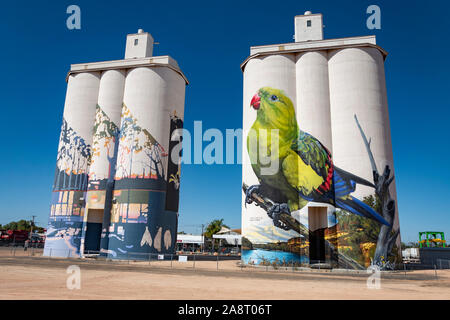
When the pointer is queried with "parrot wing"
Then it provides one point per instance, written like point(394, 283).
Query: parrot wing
point(336, 185)
point(309, 169)
point(314, 154)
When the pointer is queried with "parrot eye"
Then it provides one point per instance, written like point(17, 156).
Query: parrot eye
point(274, 98)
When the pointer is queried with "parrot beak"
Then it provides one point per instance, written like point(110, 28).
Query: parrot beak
point(256, 100)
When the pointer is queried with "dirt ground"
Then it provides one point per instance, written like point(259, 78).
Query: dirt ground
point(43, 278)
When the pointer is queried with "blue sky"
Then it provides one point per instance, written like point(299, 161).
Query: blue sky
point(210, 39)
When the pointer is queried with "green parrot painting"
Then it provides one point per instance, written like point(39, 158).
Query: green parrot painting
point(305, 171)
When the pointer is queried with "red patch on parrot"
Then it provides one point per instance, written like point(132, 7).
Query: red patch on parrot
point(326, 185)
point(256, 101)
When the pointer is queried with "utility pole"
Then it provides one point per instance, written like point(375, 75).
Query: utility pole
point(32, 225)
point(203, 239)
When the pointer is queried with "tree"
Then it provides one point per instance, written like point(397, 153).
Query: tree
point(387, 237)
point(214, 227)
point(21, 225)
point(361, 232)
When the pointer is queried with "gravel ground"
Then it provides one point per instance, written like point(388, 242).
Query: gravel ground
point(42, 278)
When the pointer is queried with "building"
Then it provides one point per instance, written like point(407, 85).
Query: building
point(190, 242)
point(230, 240)
point(329, 82)
point(116, 188)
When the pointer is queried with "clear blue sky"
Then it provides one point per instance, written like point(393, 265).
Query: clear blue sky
point(210, 39)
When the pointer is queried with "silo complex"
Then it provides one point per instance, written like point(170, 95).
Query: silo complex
point(116, 188)
point(323, 191)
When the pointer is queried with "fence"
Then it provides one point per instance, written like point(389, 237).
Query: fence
point(443, 263)
point(203, 261)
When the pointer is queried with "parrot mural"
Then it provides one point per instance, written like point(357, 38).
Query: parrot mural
point(305, 171)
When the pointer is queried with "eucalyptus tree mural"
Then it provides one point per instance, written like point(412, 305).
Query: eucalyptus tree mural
point(73, 160)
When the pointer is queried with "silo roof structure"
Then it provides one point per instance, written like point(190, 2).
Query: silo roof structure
point(328, 44)
point(159, 61)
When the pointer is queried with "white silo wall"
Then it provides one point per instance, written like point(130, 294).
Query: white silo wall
point(108, 113)
point(313, 99)
point(276, 71)
point(357, 87)
point(76, 134)
point(152, 97)
point(74, 150)
point(81, 98)
point(103, 160)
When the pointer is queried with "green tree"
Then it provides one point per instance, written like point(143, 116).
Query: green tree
point(214, 227)
point(21, 225)
point(360, 229)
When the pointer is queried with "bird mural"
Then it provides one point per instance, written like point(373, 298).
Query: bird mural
point(305, 171)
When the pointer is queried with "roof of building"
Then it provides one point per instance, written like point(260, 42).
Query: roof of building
point(160, 61)
point(313, 45)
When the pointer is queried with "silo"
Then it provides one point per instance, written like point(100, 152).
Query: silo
point(71, 178)
point(141, 220)
point(103, 161)
point(334, 81)
point(277, 71)
point(313, 98)
point(357, 87)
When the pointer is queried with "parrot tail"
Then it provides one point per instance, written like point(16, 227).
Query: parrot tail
point(344, 184)
point(358, 207)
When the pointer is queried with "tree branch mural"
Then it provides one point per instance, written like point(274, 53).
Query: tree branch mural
point(72, 161)
point(140, 155)
point(387, 236)
point(105, 142)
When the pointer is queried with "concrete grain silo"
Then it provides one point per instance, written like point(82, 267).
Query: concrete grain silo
point(313, 95)
point(305, 210)
point(103, 161)
point(358, 87)
point(72, 166)
point(153, 100)
point(119, 117)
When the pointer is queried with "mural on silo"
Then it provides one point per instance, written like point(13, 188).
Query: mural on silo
point(140, 223)
point(104, 143)
point(72, 161)
point(101, 181)
point(68, 198)
point(140, 156)
point(173, 169)
point(303, 211)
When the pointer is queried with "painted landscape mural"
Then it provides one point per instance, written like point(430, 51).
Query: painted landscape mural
point(139, 222)
point(67, 207)
point(118, 197)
